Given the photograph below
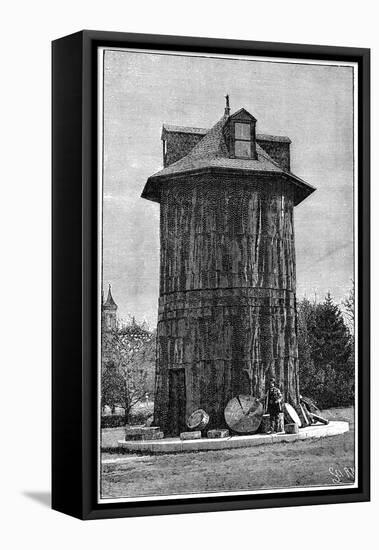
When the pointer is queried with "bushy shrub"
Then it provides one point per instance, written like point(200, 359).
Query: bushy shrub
point(113, 421)
point(118, 420)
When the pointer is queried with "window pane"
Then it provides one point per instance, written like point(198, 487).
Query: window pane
point(242, 130)
point(243, 149)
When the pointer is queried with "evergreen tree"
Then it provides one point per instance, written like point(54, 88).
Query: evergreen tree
point(326, 362)
point(331, 338)
point(311, 379)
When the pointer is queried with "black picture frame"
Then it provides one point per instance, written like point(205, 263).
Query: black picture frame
point(74, 272)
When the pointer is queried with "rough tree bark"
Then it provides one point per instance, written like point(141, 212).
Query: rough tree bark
point(227, 307)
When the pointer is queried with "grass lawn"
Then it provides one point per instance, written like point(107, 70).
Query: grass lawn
point(315, 462)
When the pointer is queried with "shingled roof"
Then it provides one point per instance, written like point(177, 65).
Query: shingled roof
point(211, 155)
point(173, 129)
point(183, 129)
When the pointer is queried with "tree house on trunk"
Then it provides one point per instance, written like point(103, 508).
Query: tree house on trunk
point(227, 305)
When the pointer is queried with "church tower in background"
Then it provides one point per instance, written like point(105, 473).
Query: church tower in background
point(108, 313)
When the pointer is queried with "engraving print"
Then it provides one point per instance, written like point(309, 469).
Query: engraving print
point(227, 274)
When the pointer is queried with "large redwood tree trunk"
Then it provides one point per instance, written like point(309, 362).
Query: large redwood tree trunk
point(227, 307)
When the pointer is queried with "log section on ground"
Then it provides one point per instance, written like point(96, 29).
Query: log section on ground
point(319, 418)
point(198, 420)
point(303, 415)
point(291, 415)
point(243, 414)
point(291, 428)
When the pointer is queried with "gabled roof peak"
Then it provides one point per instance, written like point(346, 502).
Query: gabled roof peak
point(243, 114)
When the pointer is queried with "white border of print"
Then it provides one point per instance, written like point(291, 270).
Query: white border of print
point(101, 500)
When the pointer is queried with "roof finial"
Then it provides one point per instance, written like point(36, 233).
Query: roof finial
point(227, 107)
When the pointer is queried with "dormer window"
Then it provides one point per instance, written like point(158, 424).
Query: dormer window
point(239, 135)
point(242, 143)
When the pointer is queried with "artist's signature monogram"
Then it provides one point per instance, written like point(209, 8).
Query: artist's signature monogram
point(341, 475)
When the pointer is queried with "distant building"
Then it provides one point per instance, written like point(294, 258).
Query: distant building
point(108, 313)
point(108, 324)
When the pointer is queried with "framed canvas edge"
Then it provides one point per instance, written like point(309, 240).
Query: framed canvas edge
point(66, 422)
point(86, 469)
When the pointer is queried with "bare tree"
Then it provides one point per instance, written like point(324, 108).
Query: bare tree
point(111, 382)
point(128, 347)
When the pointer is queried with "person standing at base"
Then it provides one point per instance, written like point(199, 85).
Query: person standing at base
point(274, 405)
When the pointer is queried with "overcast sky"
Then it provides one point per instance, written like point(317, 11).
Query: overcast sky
point(312, 104)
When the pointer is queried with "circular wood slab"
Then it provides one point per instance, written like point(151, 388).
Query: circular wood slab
point(291, 415)
point(243, 414)
point(198, 420)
